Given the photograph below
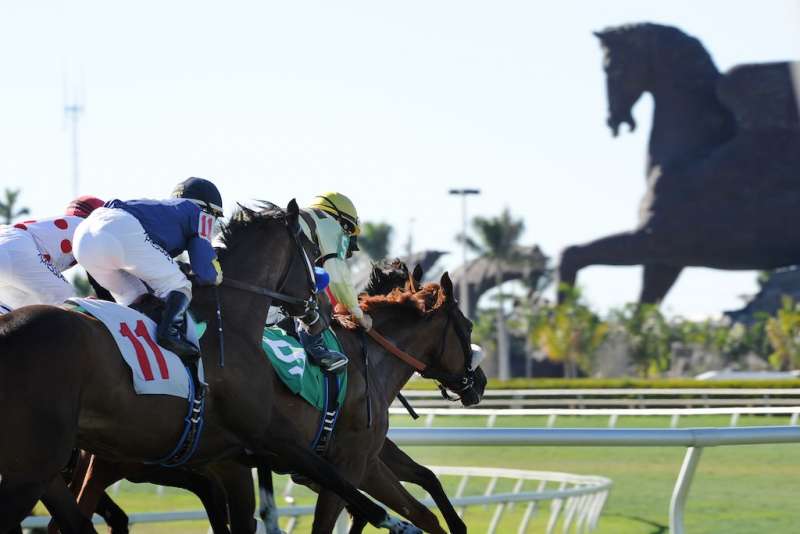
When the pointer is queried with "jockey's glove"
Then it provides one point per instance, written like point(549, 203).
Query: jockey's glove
point(365, 321)
point(218, 268)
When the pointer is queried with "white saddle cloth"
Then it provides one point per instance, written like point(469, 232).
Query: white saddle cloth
point(155, 370)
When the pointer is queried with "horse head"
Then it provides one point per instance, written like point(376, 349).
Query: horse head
point(626, 63)
point(458, 354)
point(452, 359)
point(264, 247)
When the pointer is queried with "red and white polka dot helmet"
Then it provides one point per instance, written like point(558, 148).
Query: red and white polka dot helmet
point(83, 206)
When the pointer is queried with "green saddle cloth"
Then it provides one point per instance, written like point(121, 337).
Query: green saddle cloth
point(288, 357)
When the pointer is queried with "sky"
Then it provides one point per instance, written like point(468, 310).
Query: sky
point(391, 103)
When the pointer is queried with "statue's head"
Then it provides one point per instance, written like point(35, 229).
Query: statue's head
point(627, 65)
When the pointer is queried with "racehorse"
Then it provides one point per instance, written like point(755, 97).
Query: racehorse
point(723, 161)
point(427, 323)
point(428, 314)
point(63, 383)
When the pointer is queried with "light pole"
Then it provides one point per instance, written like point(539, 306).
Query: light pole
point(463, 193)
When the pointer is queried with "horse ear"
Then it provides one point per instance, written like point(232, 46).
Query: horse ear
point(417, 274)
point(292, 209)
point(447, 286)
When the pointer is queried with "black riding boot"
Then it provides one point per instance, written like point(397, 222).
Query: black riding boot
point(318, 353)
point(170, 331)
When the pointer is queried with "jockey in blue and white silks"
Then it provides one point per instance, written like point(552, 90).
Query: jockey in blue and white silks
point(34, 253)
point(128, 246)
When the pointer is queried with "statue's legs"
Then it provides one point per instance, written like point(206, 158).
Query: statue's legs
point(627, 248)
point(658, 278)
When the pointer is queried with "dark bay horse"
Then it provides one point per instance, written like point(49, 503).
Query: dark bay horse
point(723, 168)
point(237, 509)
point(63, 384)
point(425, 322)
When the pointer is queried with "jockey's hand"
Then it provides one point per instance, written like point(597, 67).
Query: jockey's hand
point(185, 268)
point(217, 268)
point(365, 321)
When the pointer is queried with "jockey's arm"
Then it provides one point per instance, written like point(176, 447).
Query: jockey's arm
point(203, 260)
point(341, 285)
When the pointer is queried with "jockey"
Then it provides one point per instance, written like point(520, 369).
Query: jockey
point(331, 223)
point(129, 246)
point(33, 254)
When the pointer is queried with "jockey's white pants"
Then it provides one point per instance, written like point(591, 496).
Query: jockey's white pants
point(26, 277)
point(114, 248)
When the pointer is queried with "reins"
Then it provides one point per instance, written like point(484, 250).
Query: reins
point(392, 348)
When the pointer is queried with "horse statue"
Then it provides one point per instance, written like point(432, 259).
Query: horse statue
point(723, 167)
point(63, 384)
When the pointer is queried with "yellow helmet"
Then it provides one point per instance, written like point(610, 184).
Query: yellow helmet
point(340, 207)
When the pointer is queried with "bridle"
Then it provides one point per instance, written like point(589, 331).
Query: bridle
point(309, 304)
point(446, 381)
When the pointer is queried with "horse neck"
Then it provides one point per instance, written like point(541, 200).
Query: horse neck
point(390, 371)
point(688, 120)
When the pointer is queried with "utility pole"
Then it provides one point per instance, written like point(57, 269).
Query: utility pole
point(463, 193)
point(73, 108)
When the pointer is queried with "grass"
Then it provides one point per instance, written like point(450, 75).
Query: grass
point(737, 490)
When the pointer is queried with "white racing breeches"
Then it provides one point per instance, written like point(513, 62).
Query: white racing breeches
point(114, 248)
point(25, 276)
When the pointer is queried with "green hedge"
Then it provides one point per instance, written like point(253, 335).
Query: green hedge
point(612, 383)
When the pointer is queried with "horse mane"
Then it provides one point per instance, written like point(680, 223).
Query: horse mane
point(423, 303)
point(672, 46)
point(385, 276)
point(244, 218)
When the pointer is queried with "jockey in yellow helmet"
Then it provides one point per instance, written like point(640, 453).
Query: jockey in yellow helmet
point(331, 223)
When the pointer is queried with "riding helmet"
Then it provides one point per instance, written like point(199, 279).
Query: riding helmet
point(83, 206)
point(340, 207)
point(202, 192)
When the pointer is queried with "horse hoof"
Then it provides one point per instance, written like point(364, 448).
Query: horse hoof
point(398, 526)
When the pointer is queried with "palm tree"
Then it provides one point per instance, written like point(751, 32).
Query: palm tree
point(8, 211)
point(497, 240)
point(375, 239)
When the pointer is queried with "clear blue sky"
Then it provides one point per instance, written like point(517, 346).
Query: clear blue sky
point(390, 102)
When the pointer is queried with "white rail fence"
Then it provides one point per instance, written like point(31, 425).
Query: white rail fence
point(575, 501)
point(613, 414)
point(694, 439)
point(619, 397)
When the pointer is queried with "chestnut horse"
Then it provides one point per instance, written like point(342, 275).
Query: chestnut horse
point(63, 384)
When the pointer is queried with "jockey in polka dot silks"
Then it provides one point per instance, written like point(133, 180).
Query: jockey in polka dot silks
point(128, 246)
point(34, 253)
point(331, 223)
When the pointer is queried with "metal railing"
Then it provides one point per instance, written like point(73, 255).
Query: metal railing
point(619, 397)
point(576, 501)
point(613, 414)
point(695, 439)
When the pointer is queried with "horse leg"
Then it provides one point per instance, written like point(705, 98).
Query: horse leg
point(382, 484)
point(60, 502)
point(99, 475)
point(267, 509)
point(238, 482)
point(115, 517)
point(657, 280)
point(303, 461)
point(329, 504)
point(204, 485)
point(628, 248)
point(16, 502)
point(405, 468)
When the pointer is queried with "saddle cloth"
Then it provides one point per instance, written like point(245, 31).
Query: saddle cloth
point(155, 370)
point(288, 357)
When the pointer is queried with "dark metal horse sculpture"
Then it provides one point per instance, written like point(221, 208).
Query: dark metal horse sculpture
point(723, 168)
